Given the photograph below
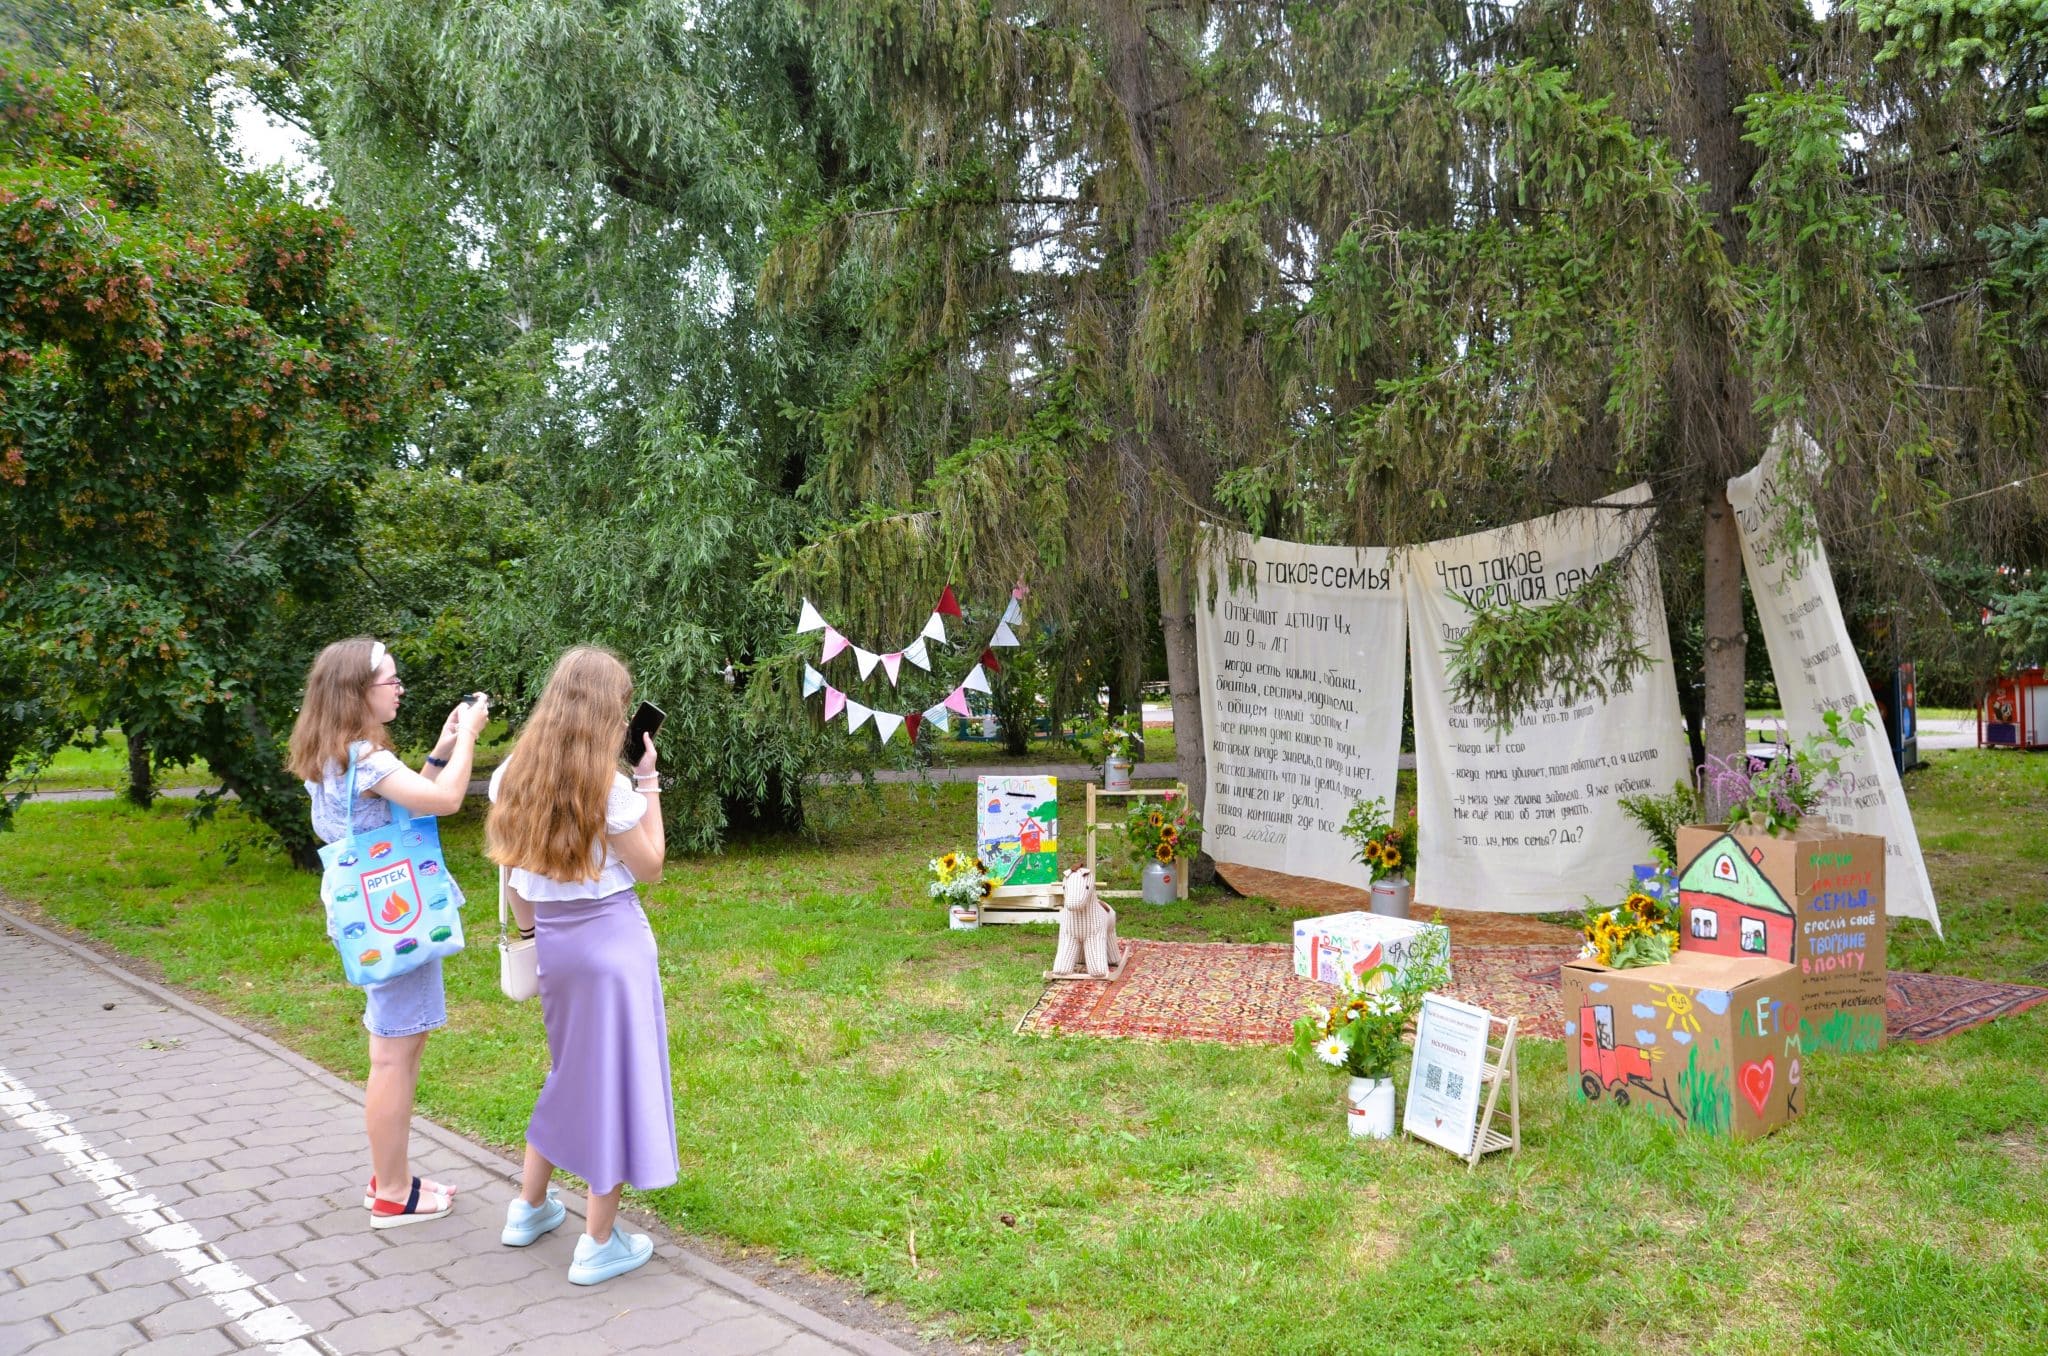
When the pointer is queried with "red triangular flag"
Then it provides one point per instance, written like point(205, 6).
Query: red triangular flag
point(948, 605)
point(988, 661)
point(910, 724)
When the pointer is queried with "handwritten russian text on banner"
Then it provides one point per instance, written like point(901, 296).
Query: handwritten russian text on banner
point(1531, 822)
point(1817, 671)
point(1301, 701)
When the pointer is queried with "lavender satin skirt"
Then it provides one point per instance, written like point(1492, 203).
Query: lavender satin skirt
point(607, 1111)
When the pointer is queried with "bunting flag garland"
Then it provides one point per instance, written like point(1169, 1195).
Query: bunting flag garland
point(918, 653)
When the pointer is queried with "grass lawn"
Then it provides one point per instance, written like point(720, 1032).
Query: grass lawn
point(846, 1078)
point(1159, 748)
point(104, 766)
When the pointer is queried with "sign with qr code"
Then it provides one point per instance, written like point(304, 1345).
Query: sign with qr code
point(1444, 1084)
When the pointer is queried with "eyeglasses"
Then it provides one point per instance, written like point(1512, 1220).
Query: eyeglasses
point(392, 681)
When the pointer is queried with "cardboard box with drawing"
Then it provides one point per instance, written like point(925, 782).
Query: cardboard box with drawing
point(1711, 1042)
point(1814, 899)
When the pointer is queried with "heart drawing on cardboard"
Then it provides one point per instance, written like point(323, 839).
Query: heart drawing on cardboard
point(1755, 1081)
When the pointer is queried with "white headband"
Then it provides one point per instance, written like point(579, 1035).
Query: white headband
point(377, 653)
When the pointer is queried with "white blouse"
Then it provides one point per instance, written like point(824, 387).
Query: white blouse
point(623, 808)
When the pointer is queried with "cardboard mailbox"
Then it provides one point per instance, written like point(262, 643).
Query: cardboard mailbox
point(1813, 899)
point(1329, 947)
point(1017, 829)
point(1710, 1042)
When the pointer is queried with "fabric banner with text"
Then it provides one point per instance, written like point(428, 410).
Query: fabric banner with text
point(1301, 700)
point(1817, 671)
point(1531, 822)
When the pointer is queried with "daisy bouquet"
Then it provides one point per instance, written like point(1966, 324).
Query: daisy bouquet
point(958, 878)
point(1385, 845)
point(1165, 832)
point(1361, 1033)
point(1638, 931)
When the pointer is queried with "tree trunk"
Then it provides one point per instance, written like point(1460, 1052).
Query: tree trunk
point(1183, 675)
point(1726, 640)
point(1127, 687)
point(141, 786)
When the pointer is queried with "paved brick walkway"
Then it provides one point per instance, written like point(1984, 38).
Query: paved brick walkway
point(173, 1183)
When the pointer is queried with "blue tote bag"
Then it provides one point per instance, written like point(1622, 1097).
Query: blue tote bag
point(392, 904)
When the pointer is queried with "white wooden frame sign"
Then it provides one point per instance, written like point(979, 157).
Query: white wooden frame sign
point(1455, 1061)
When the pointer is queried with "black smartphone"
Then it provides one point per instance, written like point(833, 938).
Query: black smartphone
point(645, 722)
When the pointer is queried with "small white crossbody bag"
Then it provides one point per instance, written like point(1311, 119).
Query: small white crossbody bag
point(518, 963)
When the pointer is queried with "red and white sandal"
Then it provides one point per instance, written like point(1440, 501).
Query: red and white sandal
point(418, 1209)
point(419, 1184)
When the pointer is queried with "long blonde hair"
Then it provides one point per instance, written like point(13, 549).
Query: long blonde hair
point(336, 709)
point(551, 798)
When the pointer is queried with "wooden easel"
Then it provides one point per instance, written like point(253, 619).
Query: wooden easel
point(1503, 1065)
point(1180, 878)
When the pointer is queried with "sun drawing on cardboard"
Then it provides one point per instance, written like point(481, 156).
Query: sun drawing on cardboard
point(1677, 1005)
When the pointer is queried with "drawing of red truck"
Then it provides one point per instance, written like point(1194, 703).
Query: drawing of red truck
point(1603, 1064)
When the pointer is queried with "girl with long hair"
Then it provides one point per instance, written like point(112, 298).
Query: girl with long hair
point(352, 693)
point(576, 835)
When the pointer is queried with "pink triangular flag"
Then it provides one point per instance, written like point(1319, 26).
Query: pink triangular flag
point(835, 702)
point(886, 725)
point(976, 680)
point(916, 653)
point(856, 715)
point(935, 629)
point(956, 700)
point(835, 645)
point(892, 664)
point(808, 619)
point(867, 659)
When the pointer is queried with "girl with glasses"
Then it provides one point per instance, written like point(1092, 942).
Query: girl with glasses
point(352, 694)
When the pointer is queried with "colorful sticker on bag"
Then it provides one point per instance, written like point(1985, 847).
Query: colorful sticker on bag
point(392, 896)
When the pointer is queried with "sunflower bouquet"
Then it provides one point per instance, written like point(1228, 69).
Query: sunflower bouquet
point(958, 878)
point(1385, 845)
point(1638, 931)
point(1164, 832)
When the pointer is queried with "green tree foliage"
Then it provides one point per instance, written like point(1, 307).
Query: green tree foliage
point(188, 392)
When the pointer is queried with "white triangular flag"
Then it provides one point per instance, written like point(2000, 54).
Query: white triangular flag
point(867, 660)
point(1004, 635)
point(892, 664)
point(808, 619)
point(918, 655)
point(813, 680)
point(1013, 615)
point(856, 715)
point(939, 716)
point(935, 629)
point(886, 725)
point(976, 680)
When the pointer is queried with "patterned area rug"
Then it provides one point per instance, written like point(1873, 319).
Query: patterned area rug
point(1235, 994)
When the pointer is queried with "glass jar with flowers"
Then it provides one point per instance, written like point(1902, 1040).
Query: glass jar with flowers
point(1385, 845)
point(960, 882)
point(1637, 931)
point(1163, 838)
point(1362, 1032)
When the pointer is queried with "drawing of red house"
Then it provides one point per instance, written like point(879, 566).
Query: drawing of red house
point(1728, 907)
